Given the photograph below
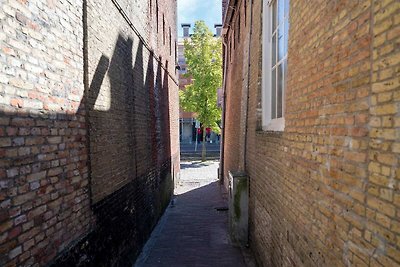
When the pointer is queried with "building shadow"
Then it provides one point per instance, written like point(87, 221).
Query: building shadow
point(192, 165)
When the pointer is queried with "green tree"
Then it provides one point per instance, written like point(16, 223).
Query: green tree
point(203, 53)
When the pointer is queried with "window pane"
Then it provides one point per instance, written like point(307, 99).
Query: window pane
point(281, 47)
point(279, 90)
point(287, 4)
point(274, 16)
point(273, 50)
point(273, 94)
point(285, 74)
point(281, 11)
point(286, 34)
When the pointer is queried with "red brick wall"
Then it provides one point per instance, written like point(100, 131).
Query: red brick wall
point(324, 191)
point(120, 141)
point(88, 129)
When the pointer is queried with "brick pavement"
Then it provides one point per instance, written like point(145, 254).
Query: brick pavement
point(192, 232)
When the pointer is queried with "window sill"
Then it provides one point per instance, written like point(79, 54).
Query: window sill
point(275, 125)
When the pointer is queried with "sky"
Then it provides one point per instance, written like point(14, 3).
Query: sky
point(191, 10)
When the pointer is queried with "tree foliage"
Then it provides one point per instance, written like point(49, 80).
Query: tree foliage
point(203, 54)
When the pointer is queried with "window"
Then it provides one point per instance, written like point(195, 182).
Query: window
point(234, 34)
point(182, 70)
point(151, 8)
point(245, 13)
point(230, 49)
point(157, 13)
point(163, 29)
point(170, 42)
point(176, 52)
point(238, 31)
point(275, 47)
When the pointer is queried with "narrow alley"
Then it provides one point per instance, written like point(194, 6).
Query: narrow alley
point(124, 123)
point(194, 228)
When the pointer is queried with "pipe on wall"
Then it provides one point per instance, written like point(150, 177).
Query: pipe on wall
point(221, 162)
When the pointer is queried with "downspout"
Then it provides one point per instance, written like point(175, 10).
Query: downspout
point(226, 25)
point(221, 162)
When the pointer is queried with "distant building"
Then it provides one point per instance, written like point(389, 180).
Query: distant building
point(187, 120)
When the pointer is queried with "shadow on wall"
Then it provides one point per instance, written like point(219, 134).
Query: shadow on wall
point(130, 157)
point(105, 193)
point(112, 132)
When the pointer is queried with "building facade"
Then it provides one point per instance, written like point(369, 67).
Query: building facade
point(187, 120)
point(318, 92)
point(89, 141)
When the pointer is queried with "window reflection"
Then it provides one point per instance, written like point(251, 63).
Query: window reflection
point(273, 50)
point(273, 94)
point(281, 11)
point(281, 45)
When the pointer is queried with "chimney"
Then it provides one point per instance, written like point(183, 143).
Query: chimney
point(218, 28)
point(185, 28)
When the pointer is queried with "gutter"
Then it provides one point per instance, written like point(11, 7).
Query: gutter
point(230, 10)
point(226, 25)
point(221, 161)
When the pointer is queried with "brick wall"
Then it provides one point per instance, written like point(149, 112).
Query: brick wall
point(88, 129)
point(224, 7)
point(234, 125)
point(324, 191)
point(44, 175)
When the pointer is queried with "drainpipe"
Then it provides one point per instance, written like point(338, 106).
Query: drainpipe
point(230, 10)
point(221, 162)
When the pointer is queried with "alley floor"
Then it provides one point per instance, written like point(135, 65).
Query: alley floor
point(193, 231)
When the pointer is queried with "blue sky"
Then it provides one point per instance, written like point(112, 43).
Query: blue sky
point(191, 10)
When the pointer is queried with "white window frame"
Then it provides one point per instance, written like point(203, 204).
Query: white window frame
point(269, 124)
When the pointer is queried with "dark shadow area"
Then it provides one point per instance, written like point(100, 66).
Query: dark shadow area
point(165, 111)
point(152, 109)
point(112, 136)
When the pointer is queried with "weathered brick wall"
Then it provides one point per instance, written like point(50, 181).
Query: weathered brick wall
point(382, 226)
point(235, 109)
point(128, 122)
point(88, 139)
point(324, 191)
